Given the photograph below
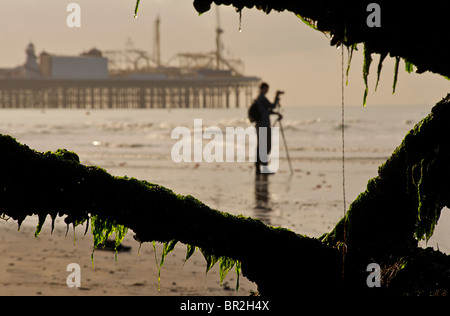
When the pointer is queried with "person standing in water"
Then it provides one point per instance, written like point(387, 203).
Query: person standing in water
point(263, 129)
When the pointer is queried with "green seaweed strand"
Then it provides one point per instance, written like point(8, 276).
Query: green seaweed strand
point(136, 8)
point(380, 66)
point(167, 248)
point(119, 232)
point(157, 265)
point(394, 85)
point(226, 264)
point(366, 68)
point(102, 230)
point(311, 23)
point(350, 50)
point(189, 252)
point(210, 260)
point(238, 272)
point(40, 224)
point(409, 67)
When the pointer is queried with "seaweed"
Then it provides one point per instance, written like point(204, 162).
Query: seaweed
point(366, 69)
point(40, 224)
point(310, 22)
point(394, 85)
point(226, 264)
point(136, 8)
point(211, 260)
point(410, 187)
point(101, 230)
point(409, 67)
point(350, 50)
point(190, 249)
point(380, 66)
point(168, 247)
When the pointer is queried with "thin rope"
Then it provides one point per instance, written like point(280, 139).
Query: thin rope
point(342, 129)
point(344, 245)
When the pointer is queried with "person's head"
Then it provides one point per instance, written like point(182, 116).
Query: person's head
point(263, 88)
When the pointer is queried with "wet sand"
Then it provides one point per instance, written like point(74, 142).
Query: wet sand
point(38, 266)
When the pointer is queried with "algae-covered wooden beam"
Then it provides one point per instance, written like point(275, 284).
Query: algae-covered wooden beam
point(402, 205)
point(56, 184)
point(414, 31)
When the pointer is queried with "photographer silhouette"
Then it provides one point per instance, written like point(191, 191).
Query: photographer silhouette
point(263, 129)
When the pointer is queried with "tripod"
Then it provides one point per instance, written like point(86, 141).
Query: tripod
point(284, 140)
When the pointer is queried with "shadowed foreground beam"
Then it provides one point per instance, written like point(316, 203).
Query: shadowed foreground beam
point(56, 184)
point(410, 30)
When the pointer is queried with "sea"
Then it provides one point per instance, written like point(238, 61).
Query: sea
point(323, 164)
point(114, 135)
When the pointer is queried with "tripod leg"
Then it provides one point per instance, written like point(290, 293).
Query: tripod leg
point(285, 146)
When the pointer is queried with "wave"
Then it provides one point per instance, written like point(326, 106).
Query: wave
point(125, 126)
point(97, 143)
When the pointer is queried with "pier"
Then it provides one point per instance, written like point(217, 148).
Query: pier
point(127, 79)
point(120, 93)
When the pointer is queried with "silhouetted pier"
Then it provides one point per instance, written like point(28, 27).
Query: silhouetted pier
point(120, 93)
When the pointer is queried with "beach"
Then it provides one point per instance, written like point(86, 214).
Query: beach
point(37, 266)
point(138, 144)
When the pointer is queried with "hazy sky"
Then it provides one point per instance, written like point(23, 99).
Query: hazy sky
point(277, 47)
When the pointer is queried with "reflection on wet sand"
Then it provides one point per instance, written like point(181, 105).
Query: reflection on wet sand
point(263, 205)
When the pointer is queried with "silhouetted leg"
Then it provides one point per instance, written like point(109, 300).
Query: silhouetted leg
point(263, 135)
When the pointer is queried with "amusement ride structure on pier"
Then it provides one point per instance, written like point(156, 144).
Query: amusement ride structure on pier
point(129, 78)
